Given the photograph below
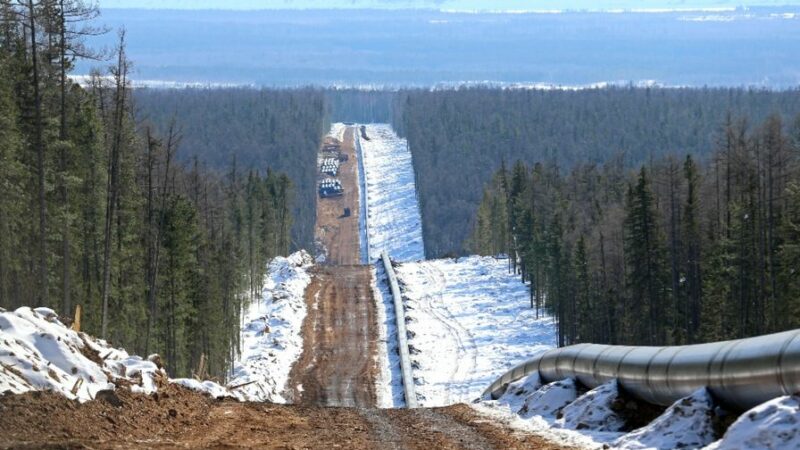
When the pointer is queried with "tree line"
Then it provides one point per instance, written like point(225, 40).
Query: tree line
point(682, 250)
point(277, 128)
point(459, 138)
point(99, 210)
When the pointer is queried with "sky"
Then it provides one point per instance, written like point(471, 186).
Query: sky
point(461, 5)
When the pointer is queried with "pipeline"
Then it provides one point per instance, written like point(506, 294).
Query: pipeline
point(363, 217)
point(402, 339)
point(740, 374)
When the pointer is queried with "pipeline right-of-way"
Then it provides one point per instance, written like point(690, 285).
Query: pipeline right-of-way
point(740, 374)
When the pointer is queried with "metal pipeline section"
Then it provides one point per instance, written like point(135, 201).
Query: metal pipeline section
point(740, 374)
point(402, 339)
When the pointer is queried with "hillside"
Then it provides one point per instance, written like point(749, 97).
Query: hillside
point(459, 138)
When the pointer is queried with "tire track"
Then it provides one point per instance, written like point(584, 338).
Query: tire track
point(466, 359)
point(337, 366)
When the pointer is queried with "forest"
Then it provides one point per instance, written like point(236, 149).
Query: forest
point(101, 206)
point(459, 138)
point(277, 129)
point(684, 249)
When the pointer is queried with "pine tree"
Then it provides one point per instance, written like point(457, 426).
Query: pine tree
point(12, 186)
point(693, 255)
point(586, 312)
point(644, 256)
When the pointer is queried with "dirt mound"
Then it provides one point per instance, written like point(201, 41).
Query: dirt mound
point(47, 418)
point(179, 418)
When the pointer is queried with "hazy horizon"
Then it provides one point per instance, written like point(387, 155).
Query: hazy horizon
point(460, 5)
point(424, 48)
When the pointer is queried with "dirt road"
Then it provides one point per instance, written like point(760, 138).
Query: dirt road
point(339, 234)
point(338, 366)
point(178, 418)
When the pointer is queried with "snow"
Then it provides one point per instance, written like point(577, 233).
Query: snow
point(469, 320)
point(39, 353)
point(209, 387)
point(685, 424)
point(593, 410)
point(271, 337)
point(389, 383)
point(337, 131)
point(771, 425)
point(589, 421)
point(501, 413)
point(394, 219)
point(550, 399)
point(518, 391)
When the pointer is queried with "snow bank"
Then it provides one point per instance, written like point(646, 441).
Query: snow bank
point(518, 391)
point(593, 410)
point(549, 399)
point(395, 223)
point(271, 337)
point(39, 353)
point(685, 424)
point(590, 420)
point(771, 425)
point(337, 131)
point(543, 426)
point(389, 382)
point(469, 321)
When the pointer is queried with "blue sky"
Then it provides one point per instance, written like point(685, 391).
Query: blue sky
point(443, 4)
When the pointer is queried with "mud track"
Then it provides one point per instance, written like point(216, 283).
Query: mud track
point(338, 234)
point(338, 366)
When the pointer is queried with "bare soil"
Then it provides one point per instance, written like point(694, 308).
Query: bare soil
point(338, 365)
point(337, 233)
point(179, 418)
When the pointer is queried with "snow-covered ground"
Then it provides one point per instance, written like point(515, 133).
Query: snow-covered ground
point(592, 420)
point(337, 131)
point(394, 221)
point(469, 320)
point(271, 337)
point(390, 379)
point(39, 353)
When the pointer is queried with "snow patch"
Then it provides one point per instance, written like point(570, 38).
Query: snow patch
point(685, 424)
point(389, 382)
point(468, 320)
point(337, 131)
point(39, 353)
point(593, 410)
point(519, 390)
point(395, 223)
point(771, 425)
point(550, 399)
point(271, 337)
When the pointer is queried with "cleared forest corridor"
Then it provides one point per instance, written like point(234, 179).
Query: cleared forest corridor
point(337, 367)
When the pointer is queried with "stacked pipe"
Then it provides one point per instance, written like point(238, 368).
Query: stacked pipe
point(330, 187)
point(329, 166)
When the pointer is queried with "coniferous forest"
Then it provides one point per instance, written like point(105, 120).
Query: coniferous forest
point(279, 129)
point(100, 208)
point(677, 251)
point(459, 137)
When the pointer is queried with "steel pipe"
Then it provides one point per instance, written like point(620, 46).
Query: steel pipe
point(402, 337)
point(740, 374)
